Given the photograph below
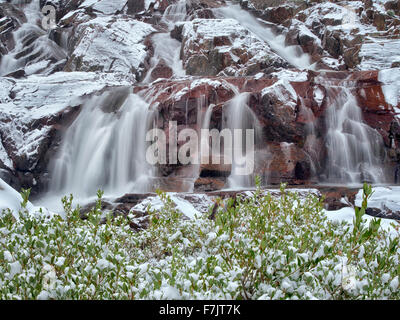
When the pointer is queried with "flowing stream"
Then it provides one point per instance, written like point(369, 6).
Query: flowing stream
point(292, 54)
point(105, 149)
point(354, 149)
point(33, 52)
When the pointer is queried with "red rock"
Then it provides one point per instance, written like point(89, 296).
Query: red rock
point(161, 71)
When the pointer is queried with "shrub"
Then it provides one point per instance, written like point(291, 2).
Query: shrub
point(260, 247)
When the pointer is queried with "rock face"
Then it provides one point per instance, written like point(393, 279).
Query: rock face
point(223, 47)
point(33, 114)
point(95, 52)
point(285, 110)
point(101, 45)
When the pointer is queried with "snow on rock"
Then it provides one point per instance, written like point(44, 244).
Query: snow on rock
point(192, 206)
point(385, 198)
point(11, 199)
point(112, 45)
point(35, 108)
point(224, 47)
point(105, 6)
point(331, 14)
point(391, 86)
point(347, 215)
point(339, 29)
point(4, 158)
point(378, 53)
point(283, 91)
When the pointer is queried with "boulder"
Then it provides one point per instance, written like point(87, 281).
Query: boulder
point(101, 42)
point(135, 6)
point(161, 70)
point(224, 47)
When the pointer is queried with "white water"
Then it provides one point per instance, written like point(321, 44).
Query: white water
point(292, 54)
point(238, 115)
point(175, 13)
point(167, 49)
point(33, 50)
point(104, 149)
point(354, 149)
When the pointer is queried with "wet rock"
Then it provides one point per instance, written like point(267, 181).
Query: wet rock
point(161, 71)
point(202, 14)
point(337, 198)
point(209, 184)
point(176, 32)
point(286, 162)
point(278, 14)
point(135, 6)
point(16, 74)
point(263, 4)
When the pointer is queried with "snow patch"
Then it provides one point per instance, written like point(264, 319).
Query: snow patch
point(391, 85)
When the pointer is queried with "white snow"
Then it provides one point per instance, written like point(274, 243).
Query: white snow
point(105, 6)
point(189, 209)
point(382, 198)
point(41, 97)
point(11, 199)
point(4, 158)
point(112, 44)
point(202, 32)
point(283, 91)
point(391, 85)
point(379, 53)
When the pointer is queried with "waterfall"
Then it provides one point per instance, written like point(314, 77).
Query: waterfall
point(105, 148)
point(292, 54)
point(33, 50)
point(167, 49)
point(239, 116)
point(354, 149)
point(175, 13)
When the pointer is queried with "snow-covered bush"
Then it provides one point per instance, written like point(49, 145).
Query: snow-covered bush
point(256, 248)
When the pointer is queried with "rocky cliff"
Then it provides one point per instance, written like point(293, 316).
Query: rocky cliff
point(293, 60)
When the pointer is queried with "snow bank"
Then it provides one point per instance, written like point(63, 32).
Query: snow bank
point(382, 198)
point(347, 214)
point(11, 199)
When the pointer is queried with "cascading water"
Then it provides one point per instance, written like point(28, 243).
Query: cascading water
point(105, 149)
point(175, 13)
point(238, 116)
point(33, 51)
point(354, 149)
point(293, 54)
point(167, 49)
